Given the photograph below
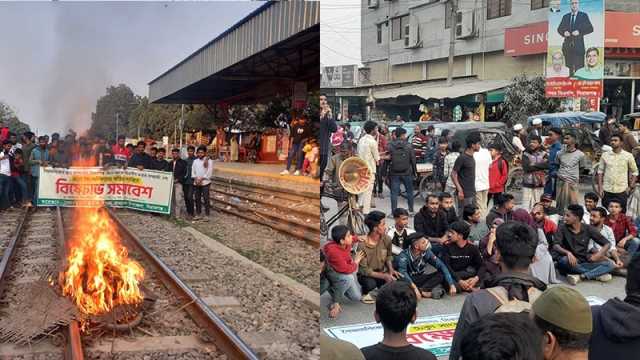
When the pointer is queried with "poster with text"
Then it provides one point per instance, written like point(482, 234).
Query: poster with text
point(575, 50)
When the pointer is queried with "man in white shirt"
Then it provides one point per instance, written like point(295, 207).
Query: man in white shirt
point(597, 217)
point(201, 172)
point(483, 162)
point(368, 151)
point(516, 141)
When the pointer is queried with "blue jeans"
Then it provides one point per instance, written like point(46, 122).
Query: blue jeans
point(295, 150)
point(19, 190)
point(589, 270)
point(550, 187)
point(343, 286)
point(394, 181)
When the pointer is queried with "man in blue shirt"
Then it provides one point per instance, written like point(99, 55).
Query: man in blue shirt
point(423, 270)
point(555, 134)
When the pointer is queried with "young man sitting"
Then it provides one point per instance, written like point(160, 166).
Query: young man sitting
point(376, 268)
point(624, 229)
point(341, 268)
point(504, 204)
point(462, 257)
point(423, 270)
point(399, 231)
point(597, 219)
point(471, 215)
point(446, 204)
point(572, 244)
point(432, 222)
point(395, 308)
point(590, 202)
point(516, 243)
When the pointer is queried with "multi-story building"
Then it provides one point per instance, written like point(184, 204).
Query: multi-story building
point(405, 49)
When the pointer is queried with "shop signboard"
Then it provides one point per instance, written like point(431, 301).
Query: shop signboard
point(621, 36)
point(575, 50)
point(338, 76)
point(621, 68)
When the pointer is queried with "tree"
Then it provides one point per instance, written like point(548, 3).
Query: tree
point(118, 104)
point(525, 97)
point(10, 119)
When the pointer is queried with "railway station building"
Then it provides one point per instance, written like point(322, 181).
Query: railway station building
point(272, 52)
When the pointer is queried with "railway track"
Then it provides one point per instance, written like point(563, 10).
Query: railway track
point(180, 323)
point(293, 212)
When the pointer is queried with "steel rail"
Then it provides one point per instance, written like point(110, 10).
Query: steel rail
point(73, 350)
point(222, 335)
point(246, 194)
point(10, 250)
point(291, 194)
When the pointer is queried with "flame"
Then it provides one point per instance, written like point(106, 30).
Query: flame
point(99, 274)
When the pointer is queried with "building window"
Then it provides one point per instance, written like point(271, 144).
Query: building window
point(397, 24)
point(447, 15)
point(539, 4)
point(379, 32)
point(498, 8)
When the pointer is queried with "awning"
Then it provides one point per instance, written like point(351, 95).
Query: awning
point(440, 90)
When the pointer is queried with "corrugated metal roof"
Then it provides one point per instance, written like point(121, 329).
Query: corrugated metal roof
point(268, 25)
point(441, 90)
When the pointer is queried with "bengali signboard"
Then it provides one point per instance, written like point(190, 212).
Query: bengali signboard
point(338, 76)
point(433, 333)
point(146, 190)
point(575, 49)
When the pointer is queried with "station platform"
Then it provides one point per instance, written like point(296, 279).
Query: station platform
point(266, 174)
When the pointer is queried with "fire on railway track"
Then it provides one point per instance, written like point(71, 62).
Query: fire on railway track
point(99, 277)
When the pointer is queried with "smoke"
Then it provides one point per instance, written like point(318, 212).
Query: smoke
point(78, 71)
point(58, 58)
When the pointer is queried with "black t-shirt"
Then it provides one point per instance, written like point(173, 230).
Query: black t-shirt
point(380, 351)
point(578, 244)
point(465, 166)
point(459, 259)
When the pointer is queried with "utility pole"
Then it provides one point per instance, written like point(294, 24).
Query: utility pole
point(452, 40)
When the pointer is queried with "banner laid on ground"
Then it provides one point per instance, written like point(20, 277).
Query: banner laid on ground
point(433, 333)
point(575, 49)
point(146, 190)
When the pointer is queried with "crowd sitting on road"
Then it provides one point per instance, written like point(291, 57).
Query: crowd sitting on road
point(504, 256)
point(20, 163)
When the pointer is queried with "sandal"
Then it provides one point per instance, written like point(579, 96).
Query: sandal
point(367, 299)
point(334, 310)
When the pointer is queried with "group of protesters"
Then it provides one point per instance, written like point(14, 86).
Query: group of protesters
point(20, 163)
point(502, 255)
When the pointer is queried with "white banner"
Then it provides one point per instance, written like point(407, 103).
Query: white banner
point(146, 190)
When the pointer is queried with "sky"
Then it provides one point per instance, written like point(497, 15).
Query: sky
point(340, 32)
point(57, 58)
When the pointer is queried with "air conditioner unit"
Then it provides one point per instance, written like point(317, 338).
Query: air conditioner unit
point(465, 24)
point(372, 4)
point(412, 34)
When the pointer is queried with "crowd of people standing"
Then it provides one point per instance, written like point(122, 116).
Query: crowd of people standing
point(20, 163)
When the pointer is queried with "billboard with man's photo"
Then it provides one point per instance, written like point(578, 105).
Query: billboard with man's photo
point(575, 50)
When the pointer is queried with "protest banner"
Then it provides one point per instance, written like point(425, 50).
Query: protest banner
point(145, 190)
point(433, 333)
point(575, 50)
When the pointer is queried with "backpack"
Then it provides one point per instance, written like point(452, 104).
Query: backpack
point(400, 162)
point(515, 305)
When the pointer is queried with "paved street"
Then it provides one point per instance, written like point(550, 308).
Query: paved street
point(355, 313)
